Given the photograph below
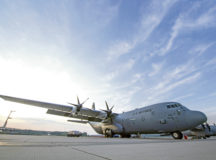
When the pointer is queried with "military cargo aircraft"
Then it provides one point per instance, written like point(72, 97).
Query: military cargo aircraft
point(166, 117)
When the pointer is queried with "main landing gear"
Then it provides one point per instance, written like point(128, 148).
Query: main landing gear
point(177, 135)
point(108, 133)
point(125, 135)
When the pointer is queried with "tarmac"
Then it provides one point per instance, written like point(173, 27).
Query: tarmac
point(25, 147)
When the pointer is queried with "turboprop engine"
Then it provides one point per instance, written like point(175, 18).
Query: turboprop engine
point(108, 126)
point(76, 107)
point(111, 129)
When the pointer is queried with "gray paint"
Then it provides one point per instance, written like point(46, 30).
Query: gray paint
point(156, 118)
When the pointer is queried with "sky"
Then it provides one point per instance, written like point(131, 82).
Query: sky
point(130, 53)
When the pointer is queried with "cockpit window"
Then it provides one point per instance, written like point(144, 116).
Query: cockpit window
point(174, 105)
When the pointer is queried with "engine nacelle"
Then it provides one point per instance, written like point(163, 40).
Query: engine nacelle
point(116, 128)
point(74, 110)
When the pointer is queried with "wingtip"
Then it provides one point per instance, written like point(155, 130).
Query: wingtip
point(4, 96)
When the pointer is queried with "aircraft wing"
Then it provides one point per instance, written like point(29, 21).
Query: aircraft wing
point(85, 112)
point(77, 116)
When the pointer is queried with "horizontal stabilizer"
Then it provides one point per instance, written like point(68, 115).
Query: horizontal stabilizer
point(84, 122)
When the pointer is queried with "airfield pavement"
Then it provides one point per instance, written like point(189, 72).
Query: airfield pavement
point(21, 147)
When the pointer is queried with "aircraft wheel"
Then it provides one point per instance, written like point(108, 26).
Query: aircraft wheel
point(125, 136)
point(108, 133)
point(177, 135)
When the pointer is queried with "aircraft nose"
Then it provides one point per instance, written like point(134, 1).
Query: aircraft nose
point(199, 117)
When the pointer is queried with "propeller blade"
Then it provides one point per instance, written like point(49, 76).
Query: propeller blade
point(111, 108)
point(107, 105)
point(104, 110)
point(78, 102)
point(209, 128)
point(203, 126)
point(93, 106)
point(84, 101)
point(73, 104)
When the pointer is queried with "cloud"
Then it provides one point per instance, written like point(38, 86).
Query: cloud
point(137, 77)
point(155, 94)
point(185, 22)
point(157, 67)
point(175, 31)
point(172, 79)
point(183, 81)
point(211, 62)
point(122, 97)
point(177, 73)
point(149, 21)
point(200, 49)
point(96, 13)
point(120, 69)
point(119, 49)
point(207, 19)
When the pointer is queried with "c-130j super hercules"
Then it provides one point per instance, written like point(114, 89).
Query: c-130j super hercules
point(166, 117)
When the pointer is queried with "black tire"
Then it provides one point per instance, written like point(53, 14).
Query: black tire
point(125, 135)
point(177, 135)
point(108, 133)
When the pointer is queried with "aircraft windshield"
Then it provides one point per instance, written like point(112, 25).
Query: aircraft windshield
point(174, 105)
point(177, 105)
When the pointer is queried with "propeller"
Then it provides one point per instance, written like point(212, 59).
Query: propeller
point(203, 126)
point(209, 128)
point(108, 110)
point(93, 106)
point(78, 105)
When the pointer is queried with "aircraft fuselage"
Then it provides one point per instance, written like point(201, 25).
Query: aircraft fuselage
point(165, 117)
